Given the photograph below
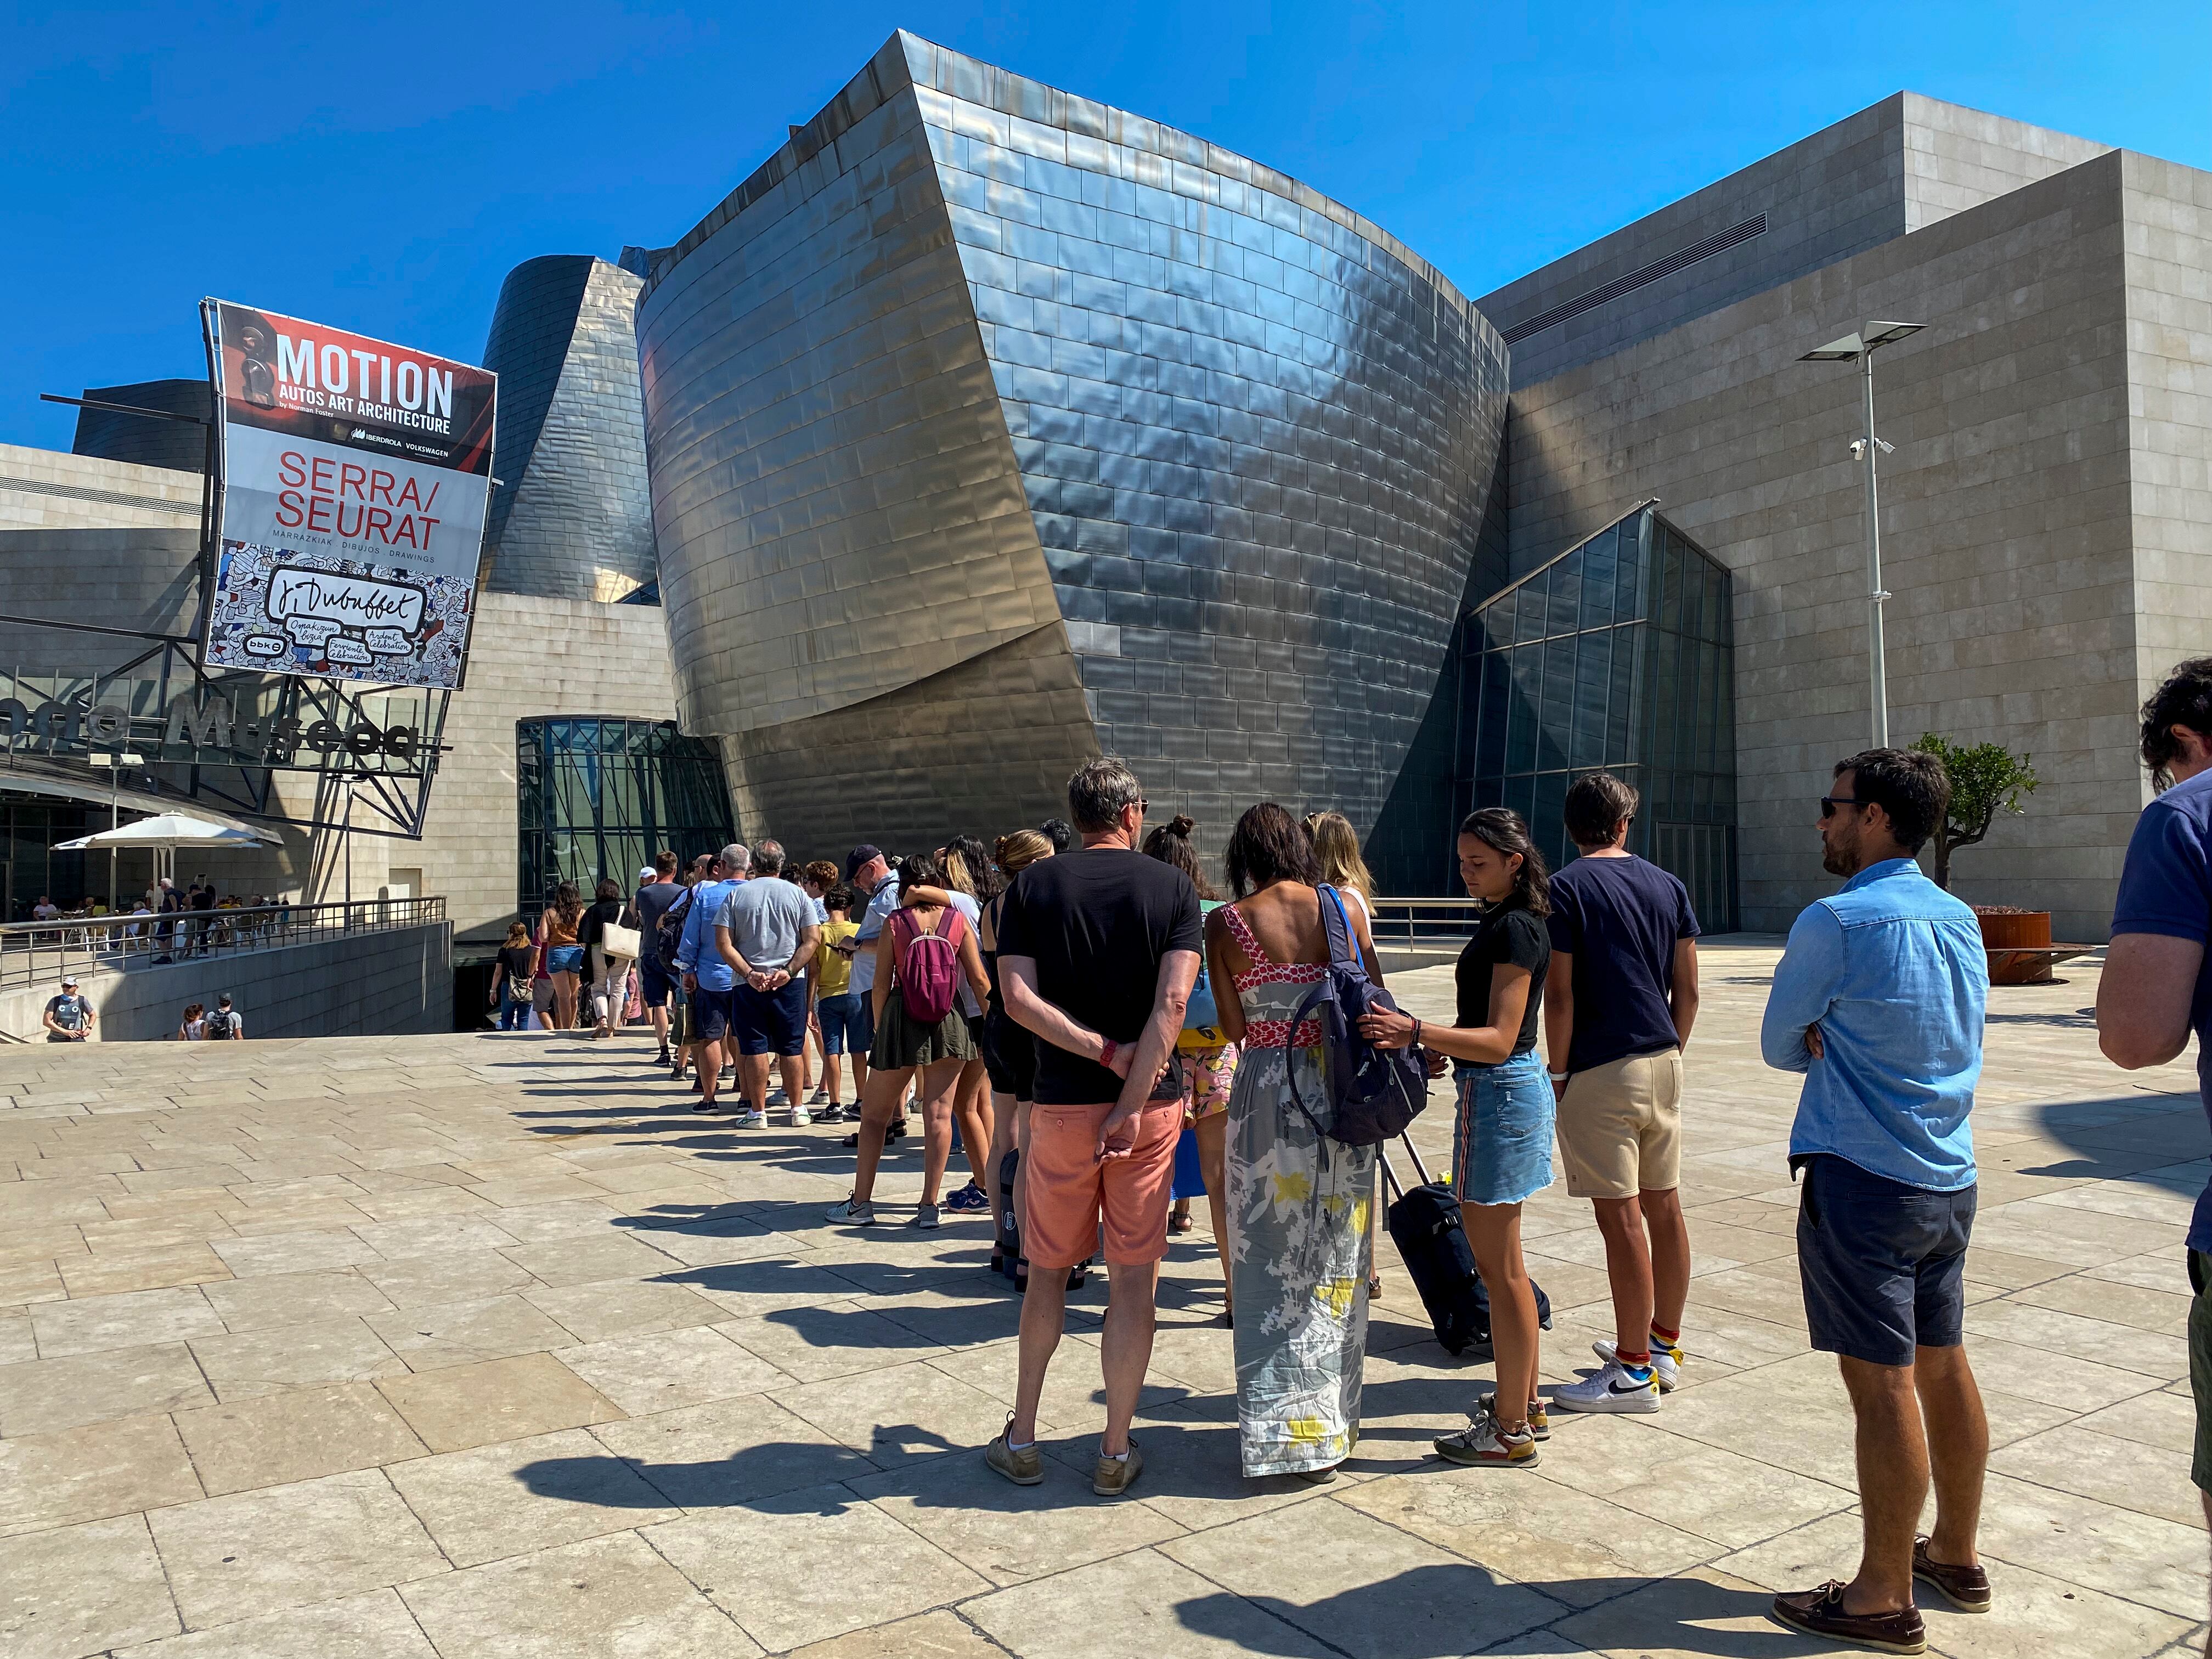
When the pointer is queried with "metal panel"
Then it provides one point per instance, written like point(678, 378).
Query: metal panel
point(1228, 426)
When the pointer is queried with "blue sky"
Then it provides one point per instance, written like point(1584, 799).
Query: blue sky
point(380, 169)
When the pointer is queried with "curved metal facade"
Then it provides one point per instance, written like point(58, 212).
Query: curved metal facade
point(571, 518)
point(992, 429)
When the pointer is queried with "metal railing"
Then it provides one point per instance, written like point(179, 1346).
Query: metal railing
point(1414, 921)
point(40, 952)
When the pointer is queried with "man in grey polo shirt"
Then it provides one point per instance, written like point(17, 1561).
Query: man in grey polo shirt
point(767, 934)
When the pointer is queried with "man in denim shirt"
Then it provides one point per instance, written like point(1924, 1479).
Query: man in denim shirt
point(1879, 1001)
point(708, 979)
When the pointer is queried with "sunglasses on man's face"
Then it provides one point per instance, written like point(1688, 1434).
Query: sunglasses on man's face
point(1830, 803)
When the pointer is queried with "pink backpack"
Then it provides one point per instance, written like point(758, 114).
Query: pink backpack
point(929, 964)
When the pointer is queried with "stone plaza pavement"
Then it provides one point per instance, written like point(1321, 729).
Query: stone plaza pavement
point(485, 1345)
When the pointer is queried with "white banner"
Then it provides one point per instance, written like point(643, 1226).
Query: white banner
point(355, 476)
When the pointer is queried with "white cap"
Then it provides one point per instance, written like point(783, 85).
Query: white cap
point(69, 982)
point(646, 874)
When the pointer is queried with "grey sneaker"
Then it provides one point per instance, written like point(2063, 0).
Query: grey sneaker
point(924, 1217)
point(1115, 1475)
point(1023, 1465)
point(853, 1215)
point(802, 1119)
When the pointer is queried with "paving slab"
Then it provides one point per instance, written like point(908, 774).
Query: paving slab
point(605, 1598)
point(489, 1338)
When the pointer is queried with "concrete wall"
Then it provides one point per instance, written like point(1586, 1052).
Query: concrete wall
point(1896, 166)
point(530, 657)
point(52, 490)
point(388, 983)
point(2166, 221)
point(2009, 515)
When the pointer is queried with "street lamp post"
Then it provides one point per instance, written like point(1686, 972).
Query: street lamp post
point(1860, 349)
point(115, 762)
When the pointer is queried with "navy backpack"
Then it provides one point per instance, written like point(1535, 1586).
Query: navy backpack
point(1372, 1094)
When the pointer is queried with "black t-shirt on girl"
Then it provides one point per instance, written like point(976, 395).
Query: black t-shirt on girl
point(1504, 936)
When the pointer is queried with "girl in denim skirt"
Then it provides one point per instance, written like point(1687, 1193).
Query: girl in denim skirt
point(1501, 1138)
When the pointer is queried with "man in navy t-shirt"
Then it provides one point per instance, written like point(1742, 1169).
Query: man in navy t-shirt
point(2157, 983)
point(1618, 1000)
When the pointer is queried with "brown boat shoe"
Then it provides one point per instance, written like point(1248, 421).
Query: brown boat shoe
point(1114, 1475)
point(1820, 1613)
point(1966, 1589)
point(1023, 1465)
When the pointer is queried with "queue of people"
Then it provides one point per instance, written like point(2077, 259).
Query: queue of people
point(1080, 996)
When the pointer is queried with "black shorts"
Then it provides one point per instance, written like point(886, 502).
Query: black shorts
point(1883, 1264)
point(653, 984)
point(1009, 1055)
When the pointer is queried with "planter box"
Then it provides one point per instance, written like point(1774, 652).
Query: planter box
point(2028, 932)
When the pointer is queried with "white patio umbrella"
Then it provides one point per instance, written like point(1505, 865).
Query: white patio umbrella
point(165, 832)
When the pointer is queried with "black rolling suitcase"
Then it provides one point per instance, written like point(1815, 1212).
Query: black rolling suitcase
point(1424, 1224)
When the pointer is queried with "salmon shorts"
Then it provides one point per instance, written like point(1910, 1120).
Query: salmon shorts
point(1067, 1191)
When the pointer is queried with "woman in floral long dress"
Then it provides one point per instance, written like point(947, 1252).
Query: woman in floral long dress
point(1297, 1204)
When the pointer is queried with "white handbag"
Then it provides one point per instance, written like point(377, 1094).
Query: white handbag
point(617, 940)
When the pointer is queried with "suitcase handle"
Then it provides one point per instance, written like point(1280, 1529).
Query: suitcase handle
point(1390, 1175)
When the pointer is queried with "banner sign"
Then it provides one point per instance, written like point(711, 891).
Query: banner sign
point(355, 476)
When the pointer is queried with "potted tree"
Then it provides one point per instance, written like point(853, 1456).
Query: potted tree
point(1987, 779)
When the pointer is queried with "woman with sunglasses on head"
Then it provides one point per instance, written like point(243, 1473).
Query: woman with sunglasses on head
point(1502, 1138)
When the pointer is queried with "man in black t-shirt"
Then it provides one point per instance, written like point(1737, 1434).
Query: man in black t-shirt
point(1098, 951)
point(1619, 1002)
point(657, 894)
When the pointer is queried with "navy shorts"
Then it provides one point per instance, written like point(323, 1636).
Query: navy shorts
point(861, 1031)
point(710, 1015)
point(844, 1023)
point(1883, 1265)
point(769, 1022)
point(653, 984)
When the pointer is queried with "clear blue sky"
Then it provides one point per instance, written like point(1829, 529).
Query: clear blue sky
point(380, 169)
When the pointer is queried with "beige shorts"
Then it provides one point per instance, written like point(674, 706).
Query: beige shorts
point(1620, 1127)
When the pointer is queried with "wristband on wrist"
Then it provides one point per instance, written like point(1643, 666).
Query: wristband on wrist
point(1106, 1054)
point(1560, 1076)
point(1415, 1042)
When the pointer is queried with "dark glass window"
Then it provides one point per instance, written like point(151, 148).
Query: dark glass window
point(601, 797)
point(1632, 674)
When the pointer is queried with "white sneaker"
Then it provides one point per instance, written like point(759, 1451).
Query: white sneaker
point(801, 1118)
point(924, 1217)
point(776, 1097)
point(1666, 1363)
point(1615, 1388)
point(753, 1119)
point(851, 1214)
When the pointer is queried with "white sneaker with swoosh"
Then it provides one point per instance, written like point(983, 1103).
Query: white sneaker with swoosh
point(1614, 1389)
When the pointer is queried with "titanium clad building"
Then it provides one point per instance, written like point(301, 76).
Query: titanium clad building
point(992, 429)
point(570, 517)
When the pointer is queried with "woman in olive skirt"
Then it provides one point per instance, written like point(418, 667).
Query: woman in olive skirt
point(905, 1046)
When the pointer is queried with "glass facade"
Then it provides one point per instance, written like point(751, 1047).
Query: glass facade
point(1616, 655)
point(601, 797)
point(29, 827)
